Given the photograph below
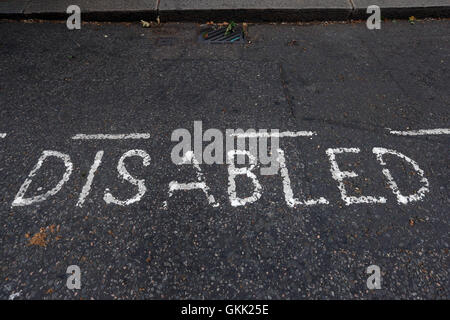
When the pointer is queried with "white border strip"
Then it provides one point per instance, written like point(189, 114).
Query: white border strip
point(2, 135)
point(290, 134)
point(102, 136)
point(422, 132)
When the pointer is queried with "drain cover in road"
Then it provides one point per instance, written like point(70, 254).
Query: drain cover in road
point(221, 35)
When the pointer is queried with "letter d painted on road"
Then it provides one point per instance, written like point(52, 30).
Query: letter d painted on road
point(21, 201)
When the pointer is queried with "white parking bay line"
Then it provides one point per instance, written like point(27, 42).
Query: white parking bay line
point(421, 132)
point(2, 135)
point(291, 134)
point(102, 136)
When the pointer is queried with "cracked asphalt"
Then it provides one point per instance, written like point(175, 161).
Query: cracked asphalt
point(348, 84)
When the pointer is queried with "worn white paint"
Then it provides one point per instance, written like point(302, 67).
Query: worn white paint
point(421, 132)
point(125, 175)
point(87, 186)
point(402, 199)
point(275, 134)
point(21, 201)
point(233, 172)
point(2, 135)
point(189, 158)
point(287, 189)
point(102, 136)
point(14, 295)
point(339, 176)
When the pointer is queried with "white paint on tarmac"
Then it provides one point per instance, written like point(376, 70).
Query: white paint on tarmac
point(125, 175)
point(233, 172)
point(21, 201)
point(189, 158)
point(421, 132)
point(2, 135)
point(14, 295)
point(339, 176)
point(284, 134)
point(90, 178)
point(287, 189)
point(102, 136)
point(402, 199)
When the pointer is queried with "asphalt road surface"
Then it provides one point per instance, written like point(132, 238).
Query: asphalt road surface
point(86, 119)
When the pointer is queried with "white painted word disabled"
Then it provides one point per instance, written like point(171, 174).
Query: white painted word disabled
point(242, 163)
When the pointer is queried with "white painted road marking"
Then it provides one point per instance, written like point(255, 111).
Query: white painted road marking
point(287, 189)
point(14, 295)
point(19, 200)
point(339, 176)
point(233, 172)
point(90, 178)
point(290, 134)
point(402, 199)
point(421, 132)
point(189, 158)
point(102, 136)
point(125, 175)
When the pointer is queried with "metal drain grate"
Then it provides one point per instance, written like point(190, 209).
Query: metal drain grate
point(212, 35)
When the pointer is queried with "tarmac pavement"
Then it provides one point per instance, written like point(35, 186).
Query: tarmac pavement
point(340, 93)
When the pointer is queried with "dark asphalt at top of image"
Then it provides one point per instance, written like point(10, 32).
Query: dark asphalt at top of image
point(349, 85)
